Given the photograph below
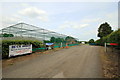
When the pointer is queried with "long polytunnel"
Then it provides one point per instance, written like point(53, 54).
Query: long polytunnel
point(27, 30)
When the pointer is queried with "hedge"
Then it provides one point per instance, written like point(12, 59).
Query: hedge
point(6, 35)
point(114, 37)
point(6, 43)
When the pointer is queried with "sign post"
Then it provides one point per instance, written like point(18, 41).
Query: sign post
point(61, 44)
point(111, 44)
point(105, 47)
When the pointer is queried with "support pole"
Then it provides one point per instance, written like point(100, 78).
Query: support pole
point(105, 47)
point(61, 44)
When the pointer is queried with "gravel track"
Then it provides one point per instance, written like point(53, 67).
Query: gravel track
point(75, 62)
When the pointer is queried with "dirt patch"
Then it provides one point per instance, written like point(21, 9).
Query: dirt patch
point(110, 61)
point(12, 61)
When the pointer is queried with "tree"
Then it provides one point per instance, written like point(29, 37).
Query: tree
point(69, 39)
point(53, 39)
point(62, 40)
point(58, 40)
point(80, 41)
point(104, 30)
point(91, 41)
point(86, 42)
point(47, 41)
point(7, 35)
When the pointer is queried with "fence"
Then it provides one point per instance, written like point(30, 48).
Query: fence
point(55, 46)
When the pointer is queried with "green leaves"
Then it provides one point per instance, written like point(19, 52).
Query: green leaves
point(53, 39)
point(6, 43)
point(6, 35)
point(57, 40)
point(104, 30)
point(114, 37)
point(91, 41)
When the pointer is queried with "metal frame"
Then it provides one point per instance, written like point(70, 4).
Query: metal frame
point(27, 30)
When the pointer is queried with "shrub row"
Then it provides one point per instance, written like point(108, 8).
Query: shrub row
point(6, 35)
point(114, 37)
point(6, 43)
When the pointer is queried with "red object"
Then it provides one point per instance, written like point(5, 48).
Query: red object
point(113, 43)
point(67, 47)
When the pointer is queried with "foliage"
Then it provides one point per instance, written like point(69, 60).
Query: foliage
point(80, 42)
point(91, 41)
point(104, 30)
point(86, 42)
point(6, 35)
point(69, 39)
point(6, 43)
point(53, 39)
point(59, 40)
point(47, 41)
point(56, 40)
point(114, 37)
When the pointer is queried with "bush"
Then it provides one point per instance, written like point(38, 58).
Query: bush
point(6, 43)
point(91, 41)
point(114, 37)
point(6, 35)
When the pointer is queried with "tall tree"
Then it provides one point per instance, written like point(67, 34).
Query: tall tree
point(104, 30)
point(91, 41)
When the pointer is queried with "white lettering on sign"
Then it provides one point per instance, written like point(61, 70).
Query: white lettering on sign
point(19, 49)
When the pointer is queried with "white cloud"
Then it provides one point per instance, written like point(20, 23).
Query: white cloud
point(111, 18)
point(66, 24)
point(7, 21)
point(77, 26)
point(33, 12)
point(59, 1)
point(43, 18)
point(89, 20)
point(74, 25)
point(25, 4)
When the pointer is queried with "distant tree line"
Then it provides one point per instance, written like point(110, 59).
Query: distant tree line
point(6, 35)
point(68, 39)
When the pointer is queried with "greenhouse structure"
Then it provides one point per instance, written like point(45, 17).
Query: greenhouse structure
point(29, 31)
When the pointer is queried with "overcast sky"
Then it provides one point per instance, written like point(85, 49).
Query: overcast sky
point(77, 19)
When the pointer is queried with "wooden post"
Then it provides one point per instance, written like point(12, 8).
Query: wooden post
point(105, 47)
point(61, 44)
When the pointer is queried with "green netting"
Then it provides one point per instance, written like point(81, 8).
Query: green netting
point(38, 49)
point(73, 44)
point(55, 46)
